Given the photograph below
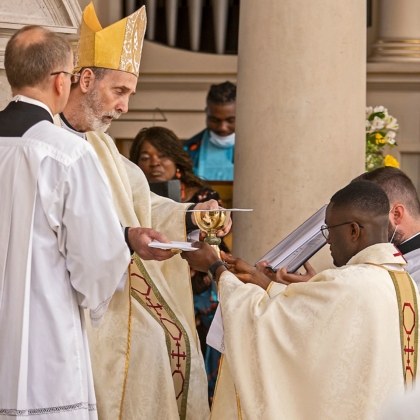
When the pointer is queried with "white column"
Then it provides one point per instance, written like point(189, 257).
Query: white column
point(220, 16)
point(300, 132)
point(399, 31)
point(195, 12)
point(151, 19)
point(171, 7)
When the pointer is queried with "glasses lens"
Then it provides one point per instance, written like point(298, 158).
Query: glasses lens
point(325, 231)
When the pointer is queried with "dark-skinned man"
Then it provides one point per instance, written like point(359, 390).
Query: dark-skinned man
point(212, 150)
point(330, 348)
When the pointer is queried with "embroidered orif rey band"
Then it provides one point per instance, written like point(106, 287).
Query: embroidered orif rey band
point(179, 351)
point(408, 320)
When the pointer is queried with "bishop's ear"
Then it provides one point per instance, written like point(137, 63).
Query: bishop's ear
point(86, 80)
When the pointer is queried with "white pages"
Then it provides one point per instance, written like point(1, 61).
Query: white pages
point(299, 246)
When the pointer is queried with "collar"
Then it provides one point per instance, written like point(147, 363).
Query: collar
point(383, 253)
point(410, 244)
point(67, 126)
point(23, 98)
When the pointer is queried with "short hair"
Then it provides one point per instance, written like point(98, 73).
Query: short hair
point(398, 187)
point(29, 62)
point(222, 94)
point(99, 72)
point(363, 196)
point(167, 142)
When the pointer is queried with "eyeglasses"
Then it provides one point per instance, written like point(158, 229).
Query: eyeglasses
point(74, 77)
point(325, 229)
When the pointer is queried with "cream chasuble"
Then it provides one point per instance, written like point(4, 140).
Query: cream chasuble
point(326, 349)
point(146, 357)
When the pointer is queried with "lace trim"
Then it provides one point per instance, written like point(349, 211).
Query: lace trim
point(46, 410)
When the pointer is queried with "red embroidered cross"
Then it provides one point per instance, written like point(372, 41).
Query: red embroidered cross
point(178, 354)
point(156, 308)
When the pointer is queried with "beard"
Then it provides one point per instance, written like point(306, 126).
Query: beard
point(95, 117)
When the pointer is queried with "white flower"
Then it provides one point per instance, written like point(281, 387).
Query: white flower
point(391, 123)
point(390, 137)
point(377, 124)
point(369, 111)
point(380, 109)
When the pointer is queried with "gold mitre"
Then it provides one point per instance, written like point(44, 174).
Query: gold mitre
point(116, 47)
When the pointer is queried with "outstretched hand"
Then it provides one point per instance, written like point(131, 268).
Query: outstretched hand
point(262, 266)
point(282, 276)
point(203, 258)
point(245, 272)
point(139, 239)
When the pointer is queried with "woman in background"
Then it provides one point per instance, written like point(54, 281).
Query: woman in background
point(160, 155)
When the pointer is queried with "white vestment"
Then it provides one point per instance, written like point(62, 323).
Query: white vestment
point(326, 349)
point(133, 351)
point(61, 249)
point(413, 265)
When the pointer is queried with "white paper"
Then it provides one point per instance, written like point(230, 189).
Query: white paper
point(184, 246)
point(216, 335)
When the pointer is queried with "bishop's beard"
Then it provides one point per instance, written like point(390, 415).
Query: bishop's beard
point(93, 113)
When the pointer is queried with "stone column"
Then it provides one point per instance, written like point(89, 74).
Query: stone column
point(399, 32)
point(300, 114)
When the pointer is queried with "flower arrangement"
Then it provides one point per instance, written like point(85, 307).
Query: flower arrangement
point(380, 132)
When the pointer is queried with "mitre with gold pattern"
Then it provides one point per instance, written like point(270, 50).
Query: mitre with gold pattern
point(116, 47)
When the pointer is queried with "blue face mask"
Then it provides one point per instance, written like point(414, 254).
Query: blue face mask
point(222, 142)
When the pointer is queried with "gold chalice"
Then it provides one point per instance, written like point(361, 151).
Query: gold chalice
point(211, 221)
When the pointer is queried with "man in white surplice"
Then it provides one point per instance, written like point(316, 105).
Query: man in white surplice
point(329, 348)
point(61, 245)
point(404, 216)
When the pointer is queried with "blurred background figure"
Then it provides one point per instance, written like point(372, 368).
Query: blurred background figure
point(212, 150)
point(160, 155)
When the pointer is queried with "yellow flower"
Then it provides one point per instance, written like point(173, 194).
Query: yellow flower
point(391, 161)
point(379, 139)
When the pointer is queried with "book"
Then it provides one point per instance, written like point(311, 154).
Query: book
point(299, 246)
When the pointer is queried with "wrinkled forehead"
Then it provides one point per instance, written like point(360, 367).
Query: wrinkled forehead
point(120, 79)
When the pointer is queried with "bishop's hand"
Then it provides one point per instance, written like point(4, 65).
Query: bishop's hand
point(139, 238)
point(245, 272)
point(211, 205)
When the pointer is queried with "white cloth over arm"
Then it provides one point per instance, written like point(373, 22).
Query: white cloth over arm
point(61, 248)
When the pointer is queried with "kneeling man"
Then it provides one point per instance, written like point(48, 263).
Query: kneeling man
point(331, 348)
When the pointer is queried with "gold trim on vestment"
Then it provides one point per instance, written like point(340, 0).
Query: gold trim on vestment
point(406, 298)
point(407, 305)
point(269, 287)
point(238, 405)
point(164, 315)
point(127, 356)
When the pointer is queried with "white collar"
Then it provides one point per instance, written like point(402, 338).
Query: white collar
point(66, 127)
point(32, 101)
point(418, 233)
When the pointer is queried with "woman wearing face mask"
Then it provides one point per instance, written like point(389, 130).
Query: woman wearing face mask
point(159, 153)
